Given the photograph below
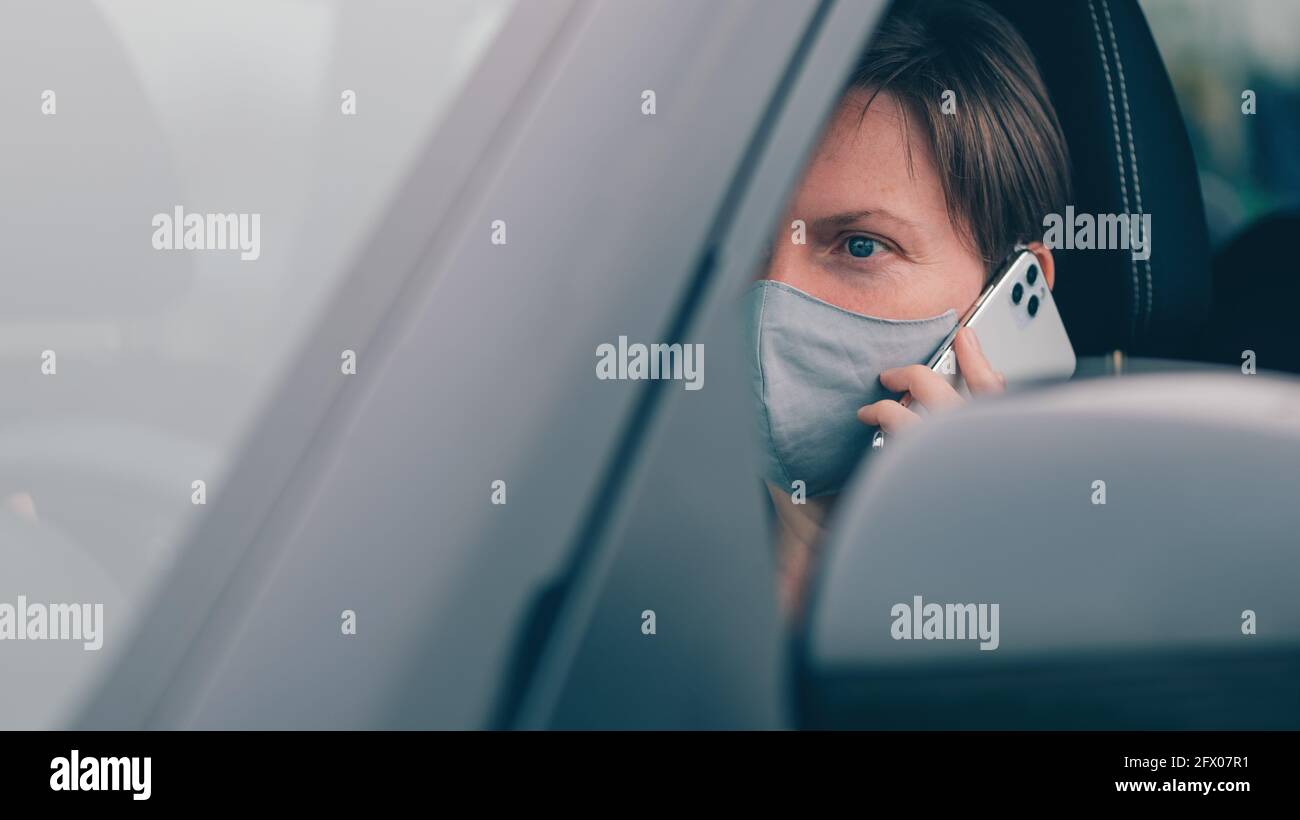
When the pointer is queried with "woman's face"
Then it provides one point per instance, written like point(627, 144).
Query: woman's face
point(878, 237)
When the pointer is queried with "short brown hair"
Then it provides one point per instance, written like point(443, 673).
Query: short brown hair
point(1002, 156)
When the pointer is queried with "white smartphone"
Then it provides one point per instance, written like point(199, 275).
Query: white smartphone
point(1018, 327)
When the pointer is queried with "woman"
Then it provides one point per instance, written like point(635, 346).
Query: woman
point(943, 155)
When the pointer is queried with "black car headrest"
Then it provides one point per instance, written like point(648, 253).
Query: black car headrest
point(1130, 155)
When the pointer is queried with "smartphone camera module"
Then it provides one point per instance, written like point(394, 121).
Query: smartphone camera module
point(1031, 275)
point(1017, 293)
point(1032, 306)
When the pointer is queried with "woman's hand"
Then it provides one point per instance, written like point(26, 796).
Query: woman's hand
point(931, 389)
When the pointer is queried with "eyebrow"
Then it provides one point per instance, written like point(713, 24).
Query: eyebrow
point(840, 220)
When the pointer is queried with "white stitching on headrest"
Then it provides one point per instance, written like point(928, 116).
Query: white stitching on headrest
point(1132, 150)
point(1119, 156)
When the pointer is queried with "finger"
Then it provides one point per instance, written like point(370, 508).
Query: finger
point(979, 375)
point(926, 386)
point(888, 415)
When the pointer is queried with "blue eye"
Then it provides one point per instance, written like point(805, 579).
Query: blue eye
point(860, 246)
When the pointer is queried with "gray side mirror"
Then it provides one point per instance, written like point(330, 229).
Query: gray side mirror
point(1121, 553)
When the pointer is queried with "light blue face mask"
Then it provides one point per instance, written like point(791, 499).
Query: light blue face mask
point(814, 365)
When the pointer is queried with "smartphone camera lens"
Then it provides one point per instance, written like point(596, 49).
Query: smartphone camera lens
point(1017, 293)
point(1033, 305)
point(1031, 275)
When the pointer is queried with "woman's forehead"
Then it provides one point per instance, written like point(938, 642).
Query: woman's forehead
point(862, 162)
